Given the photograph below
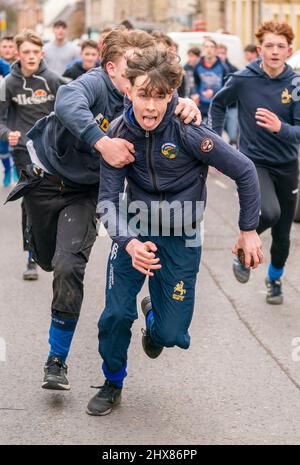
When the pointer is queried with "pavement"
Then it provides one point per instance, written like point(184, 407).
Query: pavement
point(239, 383)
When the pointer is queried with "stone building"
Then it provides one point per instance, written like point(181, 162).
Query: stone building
point(243, 16)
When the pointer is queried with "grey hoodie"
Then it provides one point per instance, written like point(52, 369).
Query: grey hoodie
point(24, 100)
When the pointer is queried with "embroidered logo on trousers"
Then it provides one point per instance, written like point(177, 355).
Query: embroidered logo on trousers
point(179, 291)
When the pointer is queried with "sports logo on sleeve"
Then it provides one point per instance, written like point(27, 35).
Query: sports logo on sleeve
point(169, 150)
point(206, 145)
point(102, 122)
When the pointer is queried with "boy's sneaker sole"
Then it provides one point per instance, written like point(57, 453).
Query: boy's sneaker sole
point(92, 414)
point(31, 277)
point(56, 386)
point(274, 300)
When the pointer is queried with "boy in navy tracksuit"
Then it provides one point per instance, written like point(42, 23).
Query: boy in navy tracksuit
point(170, 168)
point(267, 93)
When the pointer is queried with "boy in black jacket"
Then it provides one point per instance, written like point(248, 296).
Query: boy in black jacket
point(27, 94)
point(166, 186)
point(89, 59)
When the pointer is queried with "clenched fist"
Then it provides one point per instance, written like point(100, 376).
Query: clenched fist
point(116, 152)
point(13, 138)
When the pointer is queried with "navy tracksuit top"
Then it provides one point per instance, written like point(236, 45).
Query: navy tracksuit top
point(252, 88)
point(171, 163)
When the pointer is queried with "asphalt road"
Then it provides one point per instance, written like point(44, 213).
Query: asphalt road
point(239, 383)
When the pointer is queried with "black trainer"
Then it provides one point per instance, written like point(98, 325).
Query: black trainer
point(150, 349)
point(31, 274)
point(106, 398)
point(274, 294)
point(55, 374)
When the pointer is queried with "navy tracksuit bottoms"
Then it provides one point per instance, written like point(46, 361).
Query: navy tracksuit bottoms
point(172, 292)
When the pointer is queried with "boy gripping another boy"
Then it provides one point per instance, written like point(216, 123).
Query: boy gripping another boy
point(61, 187)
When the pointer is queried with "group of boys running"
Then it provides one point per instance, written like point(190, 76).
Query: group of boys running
point(151, 145)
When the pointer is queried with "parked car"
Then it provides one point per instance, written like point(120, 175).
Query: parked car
point(186, 40)
point(294, 62)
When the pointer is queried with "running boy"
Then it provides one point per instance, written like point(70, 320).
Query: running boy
point(171, 165)
point(269, 119)
point(27, 94)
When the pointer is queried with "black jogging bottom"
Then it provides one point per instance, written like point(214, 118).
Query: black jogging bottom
point(278, 185)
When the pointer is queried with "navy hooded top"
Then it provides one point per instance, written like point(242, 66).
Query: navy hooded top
point(252, 88)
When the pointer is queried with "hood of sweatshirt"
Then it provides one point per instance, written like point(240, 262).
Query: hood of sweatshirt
point(254, 69)
point(16, 69)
